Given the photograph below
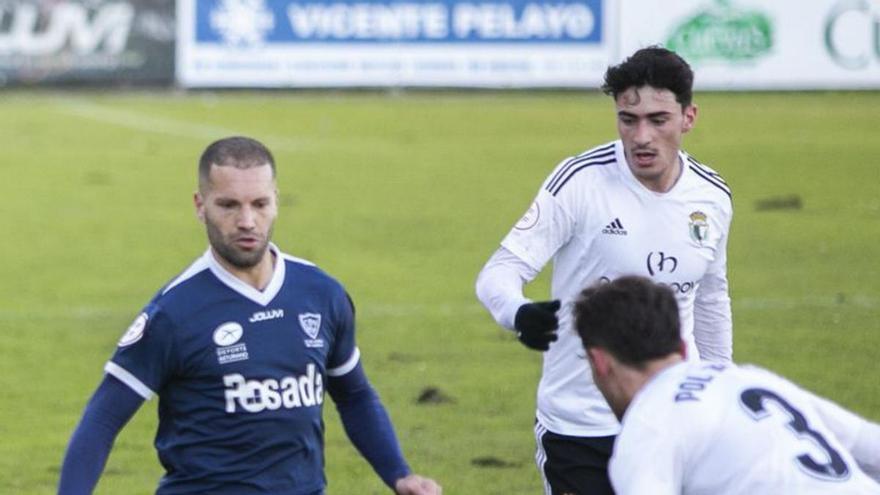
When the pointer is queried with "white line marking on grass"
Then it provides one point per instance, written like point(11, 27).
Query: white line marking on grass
point(140, 121)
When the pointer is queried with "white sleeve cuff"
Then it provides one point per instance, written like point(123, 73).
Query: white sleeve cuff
point(127, 378)
point(347, 365)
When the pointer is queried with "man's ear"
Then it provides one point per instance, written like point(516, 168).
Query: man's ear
point(599, 361)
point(199, 203)
point(690, 118)
point(683, 349)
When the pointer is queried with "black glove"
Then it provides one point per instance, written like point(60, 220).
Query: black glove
point(536, 324)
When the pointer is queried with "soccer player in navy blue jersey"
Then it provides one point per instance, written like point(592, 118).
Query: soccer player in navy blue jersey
point(240, 349)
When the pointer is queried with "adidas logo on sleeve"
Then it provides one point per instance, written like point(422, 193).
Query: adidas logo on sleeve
point(614, 228)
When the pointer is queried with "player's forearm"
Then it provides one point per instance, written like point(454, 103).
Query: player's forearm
point(500, 286)
point(109, 409)
point(85, 458)
point(713, 322)
point(368, 425)
point(858, 435)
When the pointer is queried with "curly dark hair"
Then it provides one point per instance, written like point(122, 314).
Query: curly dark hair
point(633, 318)
point(653, 66)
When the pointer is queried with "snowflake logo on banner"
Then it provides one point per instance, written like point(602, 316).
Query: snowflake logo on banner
point(242, 22)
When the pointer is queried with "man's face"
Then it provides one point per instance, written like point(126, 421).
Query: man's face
point(238, 207)
point(651, 124)
point(602, 369)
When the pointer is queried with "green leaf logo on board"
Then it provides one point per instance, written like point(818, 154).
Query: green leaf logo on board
point(725, 33)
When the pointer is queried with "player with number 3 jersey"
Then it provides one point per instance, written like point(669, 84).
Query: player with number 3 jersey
point(698, 428)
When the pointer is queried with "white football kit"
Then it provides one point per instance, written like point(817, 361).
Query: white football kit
point(598, 222)
point(707, 428)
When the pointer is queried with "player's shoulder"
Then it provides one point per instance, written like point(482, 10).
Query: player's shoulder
point(708, 179)
point(586, 166)
point(305, 272)
point(684, 391)
point(192, 282)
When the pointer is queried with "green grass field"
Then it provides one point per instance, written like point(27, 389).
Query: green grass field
point(403, 197)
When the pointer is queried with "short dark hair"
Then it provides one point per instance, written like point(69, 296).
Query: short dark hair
point(653, 66)
point(633, 318)
point(235, 151)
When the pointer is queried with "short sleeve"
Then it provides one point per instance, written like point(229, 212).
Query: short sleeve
point(144, 356)
point(544, 228)
point(345, 355)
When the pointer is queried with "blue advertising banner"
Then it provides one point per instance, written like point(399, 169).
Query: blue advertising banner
point(377, 21)
point(392, 42)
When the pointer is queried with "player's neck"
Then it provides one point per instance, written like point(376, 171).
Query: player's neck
point(635, 379)
point(666, 181)
point(654, 367)
point(257, 276)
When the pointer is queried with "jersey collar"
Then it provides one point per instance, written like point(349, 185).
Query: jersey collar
point(263, 297)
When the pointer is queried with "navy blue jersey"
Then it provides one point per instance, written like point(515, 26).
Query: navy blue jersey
point(240, 375)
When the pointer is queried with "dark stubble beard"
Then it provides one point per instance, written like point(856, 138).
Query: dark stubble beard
point(233, 256)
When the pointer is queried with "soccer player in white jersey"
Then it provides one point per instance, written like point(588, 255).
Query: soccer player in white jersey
point(240, 349)
point(638, 205)
point(695, 428)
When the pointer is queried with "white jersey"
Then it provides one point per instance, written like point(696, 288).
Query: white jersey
point(706, 428)
point(598, 222)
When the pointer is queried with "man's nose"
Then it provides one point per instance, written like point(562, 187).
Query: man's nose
point(246, 220)
point(643, 134)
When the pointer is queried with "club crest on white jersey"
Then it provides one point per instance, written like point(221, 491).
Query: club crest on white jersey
point(698, 227)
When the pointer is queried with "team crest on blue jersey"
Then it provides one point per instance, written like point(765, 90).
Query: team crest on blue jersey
point(699, 227)
point(229, 350)
point(135, 331)
point(311, 325)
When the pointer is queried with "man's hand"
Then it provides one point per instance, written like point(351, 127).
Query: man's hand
point(414, 484)
point(536, 324)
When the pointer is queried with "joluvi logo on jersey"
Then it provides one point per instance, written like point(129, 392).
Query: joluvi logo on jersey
point(290, 392)
point(698, 227)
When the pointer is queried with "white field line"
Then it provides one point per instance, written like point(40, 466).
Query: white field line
point(373, 309)
point(140, 121)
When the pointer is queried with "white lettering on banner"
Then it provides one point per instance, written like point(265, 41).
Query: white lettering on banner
point(369, 21)
point(850, 29)
point(30, 34)
point(255, 396)
point(537, 21)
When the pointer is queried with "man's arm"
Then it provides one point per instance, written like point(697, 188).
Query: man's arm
point(859, 436)
point(500, 286)
point(368, 426)
point(713, 322)
point(646, 460)
point(500, 289)
point(110, 408)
